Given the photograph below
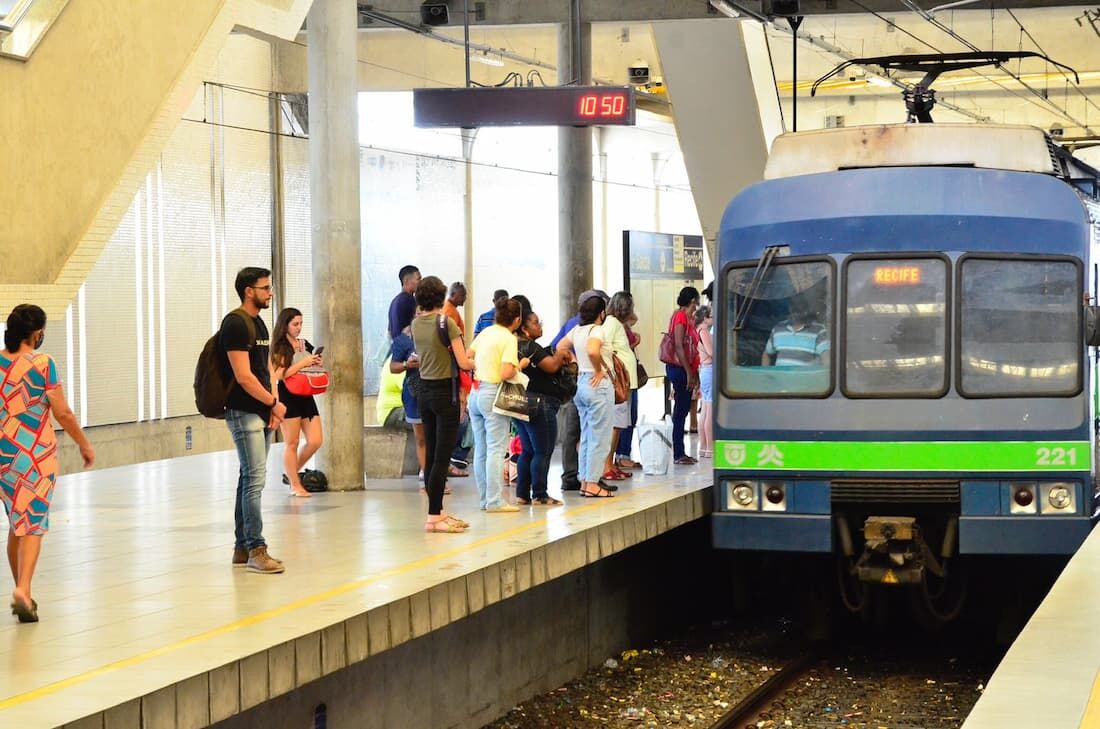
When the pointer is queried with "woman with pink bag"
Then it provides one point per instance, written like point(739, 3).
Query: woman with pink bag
point(289, 356)
point(680, 353)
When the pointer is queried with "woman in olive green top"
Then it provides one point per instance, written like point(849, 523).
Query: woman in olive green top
point(438, 396)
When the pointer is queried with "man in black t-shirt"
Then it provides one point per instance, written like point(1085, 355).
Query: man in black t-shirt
point(403, 306)
point(252, 412)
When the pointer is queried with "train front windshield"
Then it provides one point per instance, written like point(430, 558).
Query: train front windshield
point(1018, 325)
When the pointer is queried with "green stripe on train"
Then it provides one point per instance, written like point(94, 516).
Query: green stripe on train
point(789, 455)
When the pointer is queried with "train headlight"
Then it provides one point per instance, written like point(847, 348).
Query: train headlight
point(1023, 498)
point(774, 496)
point(741, 495)
point(1060, 498)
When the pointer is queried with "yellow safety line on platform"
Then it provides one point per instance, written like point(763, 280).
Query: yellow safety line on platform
point(1091, 719)
point(275, 612)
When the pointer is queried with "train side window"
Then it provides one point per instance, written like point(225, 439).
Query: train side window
point(895, 329)
point(1019, 327)
point(784, 347)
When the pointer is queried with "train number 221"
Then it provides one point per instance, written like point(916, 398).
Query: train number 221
point(1056, 457)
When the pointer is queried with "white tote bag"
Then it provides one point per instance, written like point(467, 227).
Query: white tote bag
point(655, 445)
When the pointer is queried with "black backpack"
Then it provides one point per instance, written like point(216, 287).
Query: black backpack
point(213, 374)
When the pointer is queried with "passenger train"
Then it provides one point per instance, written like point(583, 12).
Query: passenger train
point(903, 370)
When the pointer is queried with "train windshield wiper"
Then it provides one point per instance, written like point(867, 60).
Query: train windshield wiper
point(762, 266)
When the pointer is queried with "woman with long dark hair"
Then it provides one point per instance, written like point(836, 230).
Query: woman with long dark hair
point(540, 433)
point(28, 447)
point(684, 375)
point(290, 354)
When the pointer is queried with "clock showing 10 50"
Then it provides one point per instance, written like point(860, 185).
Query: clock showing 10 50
point(576, 106)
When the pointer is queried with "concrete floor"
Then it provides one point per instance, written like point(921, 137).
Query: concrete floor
point(136, 590)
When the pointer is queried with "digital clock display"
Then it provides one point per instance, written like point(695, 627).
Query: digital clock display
point(563, 106)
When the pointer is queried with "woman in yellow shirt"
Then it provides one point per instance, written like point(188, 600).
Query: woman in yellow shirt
point(495, 360)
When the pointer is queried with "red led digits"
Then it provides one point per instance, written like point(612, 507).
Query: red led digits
point(602, 106)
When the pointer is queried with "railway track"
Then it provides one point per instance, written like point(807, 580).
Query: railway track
point(755, 707)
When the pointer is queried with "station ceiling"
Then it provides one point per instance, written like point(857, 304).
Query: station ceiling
point(1030, 91)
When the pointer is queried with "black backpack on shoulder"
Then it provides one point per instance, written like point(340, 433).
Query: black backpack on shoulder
point(213, 374)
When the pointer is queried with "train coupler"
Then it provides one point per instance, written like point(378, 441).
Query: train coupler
point(894, 552)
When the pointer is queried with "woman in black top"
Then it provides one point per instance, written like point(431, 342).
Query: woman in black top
point(301, 410)
point(541, 433)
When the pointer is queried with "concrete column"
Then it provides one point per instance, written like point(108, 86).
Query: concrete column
point(574, 171)
point(334, 192)
point(469, 136)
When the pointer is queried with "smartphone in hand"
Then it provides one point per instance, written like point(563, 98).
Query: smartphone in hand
point(319, 350)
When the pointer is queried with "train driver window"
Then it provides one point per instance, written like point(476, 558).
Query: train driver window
point(1019, 327)
point(783, 346)
point(895, 341)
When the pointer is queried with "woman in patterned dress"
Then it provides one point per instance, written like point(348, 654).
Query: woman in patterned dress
point(29, 392)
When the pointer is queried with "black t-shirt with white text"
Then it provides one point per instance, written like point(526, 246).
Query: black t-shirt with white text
point(233, 337)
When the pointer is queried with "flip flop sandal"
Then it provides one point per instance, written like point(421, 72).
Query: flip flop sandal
point(613, 476)
point(547, 501)
point(443, 527)
point(623, 474)
point(524, 502)
point(601, 493)
point(456, 521)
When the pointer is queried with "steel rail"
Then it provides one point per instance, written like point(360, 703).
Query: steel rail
point(747, 711)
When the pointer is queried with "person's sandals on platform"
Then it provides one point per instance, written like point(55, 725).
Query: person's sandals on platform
point(26, 612)
point(445, 524)
point(626, 464)
point(685, 461)
point(595, 490)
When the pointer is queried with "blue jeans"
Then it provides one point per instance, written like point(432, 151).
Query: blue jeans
point(490, 445)
point(681, 396)
point(253, 439)
point(626, 435)
point(594, 405)
point(538, 437)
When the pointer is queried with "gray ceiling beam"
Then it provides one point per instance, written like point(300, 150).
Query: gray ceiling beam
point(531, 12)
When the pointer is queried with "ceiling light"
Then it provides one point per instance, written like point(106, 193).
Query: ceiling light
point(880, 81)
point(725, 8)
point(486, 59)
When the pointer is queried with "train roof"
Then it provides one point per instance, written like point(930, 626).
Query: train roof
point(985, 146)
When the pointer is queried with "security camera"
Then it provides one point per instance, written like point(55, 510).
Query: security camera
point(434, 13)
point(638, 72)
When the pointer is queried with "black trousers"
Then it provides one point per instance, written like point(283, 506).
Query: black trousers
point(440, 416)
point(569, 425)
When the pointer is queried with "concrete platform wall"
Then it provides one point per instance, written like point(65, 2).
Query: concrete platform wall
point(471, 671)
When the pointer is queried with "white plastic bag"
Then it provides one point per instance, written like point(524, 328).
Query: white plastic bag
point(655, 445)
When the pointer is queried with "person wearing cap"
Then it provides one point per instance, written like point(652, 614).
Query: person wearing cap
point(569, 422)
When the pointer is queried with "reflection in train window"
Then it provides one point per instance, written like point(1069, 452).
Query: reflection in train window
point(779, 339)
point(1019, 327)
point(895, 340)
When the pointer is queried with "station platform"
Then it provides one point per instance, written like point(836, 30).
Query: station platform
point(145, 624)
point(1050, 677)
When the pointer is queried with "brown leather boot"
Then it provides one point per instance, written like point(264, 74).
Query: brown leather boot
point(240, 556)
point(260, 561)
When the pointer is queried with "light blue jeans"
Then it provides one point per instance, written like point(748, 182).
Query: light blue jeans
point(490, 445)
point(595, 406)
point(253, 440)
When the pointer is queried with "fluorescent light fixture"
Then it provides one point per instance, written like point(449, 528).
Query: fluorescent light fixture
point(879, 81)
point(486, 59)
point(725, 8)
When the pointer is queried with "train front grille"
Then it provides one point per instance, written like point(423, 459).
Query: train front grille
point(895, 492)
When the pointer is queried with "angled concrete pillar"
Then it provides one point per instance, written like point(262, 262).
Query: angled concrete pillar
point(574, 170)
point(717, 110)
point(337, 271)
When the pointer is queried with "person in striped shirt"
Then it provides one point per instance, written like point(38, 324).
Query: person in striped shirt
point(798, 341)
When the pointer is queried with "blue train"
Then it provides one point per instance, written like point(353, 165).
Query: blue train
point(904, 374)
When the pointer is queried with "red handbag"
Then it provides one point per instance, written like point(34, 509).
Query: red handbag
point(307, 382)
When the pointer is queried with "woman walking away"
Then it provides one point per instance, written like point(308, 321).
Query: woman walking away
point(619, 313)
point(290, 354)
point(438, 398)
point(595, 396)
point(540, 433)
point(703, 324)
point(28, 447)
point(495, 354)
point(684, 375)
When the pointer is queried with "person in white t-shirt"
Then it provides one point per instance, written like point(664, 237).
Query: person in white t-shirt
point(595, 398)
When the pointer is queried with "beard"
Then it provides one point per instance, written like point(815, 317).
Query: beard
point(261, 303)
